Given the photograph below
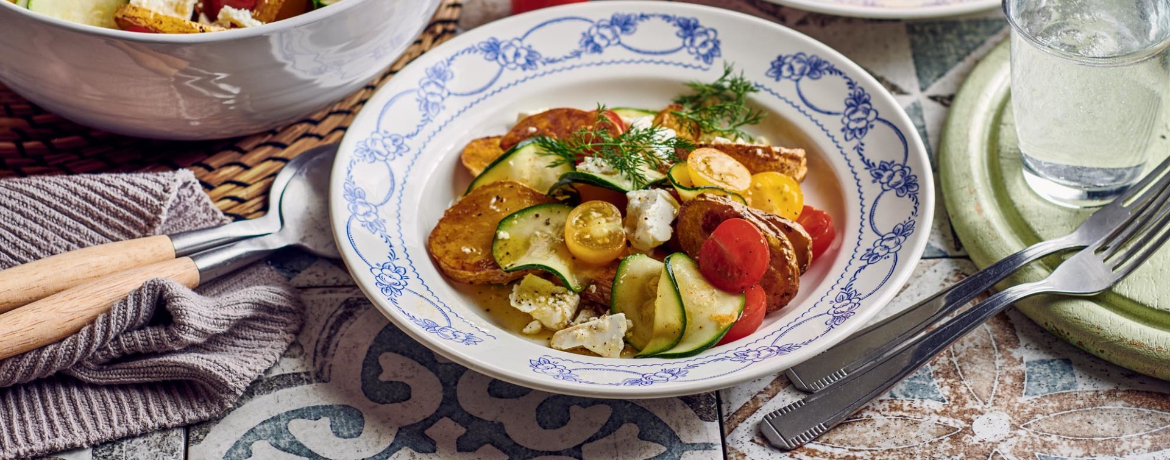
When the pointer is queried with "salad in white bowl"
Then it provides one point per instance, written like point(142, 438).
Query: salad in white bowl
point(172, 16)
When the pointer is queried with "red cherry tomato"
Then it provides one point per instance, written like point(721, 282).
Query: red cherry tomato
point(819, 226)
point(521, 6)
point(735, 256)
point(752, 317)
point(211, 7)
point(615, 119)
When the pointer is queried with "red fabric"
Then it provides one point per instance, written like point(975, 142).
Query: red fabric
point(521, 6)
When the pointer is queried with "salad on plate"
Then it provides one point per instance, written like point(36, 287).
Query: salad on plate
point(627, 232)
point(172, 16)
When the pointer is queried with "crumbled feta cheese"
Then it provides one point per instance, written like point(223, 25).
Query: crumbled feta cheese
point(721, 140)
point(533, 327)
point(662, 135)
point(642, 122)
point(585, 314)
point(602, 335)
point(532, 130)
point(648, 217)
point(502, 235)
point(597, 166)
point(552, 305)
point(234, 17)
point(182, 9)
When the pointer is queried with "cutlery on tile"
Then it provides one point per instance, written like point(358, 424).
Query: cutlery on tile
point(303, 211)
point(880, 338)
point(38, 279)
point(1090, 271)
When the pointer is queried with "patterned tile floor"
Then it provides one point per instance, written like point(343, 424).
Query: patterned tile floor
point(354, 387)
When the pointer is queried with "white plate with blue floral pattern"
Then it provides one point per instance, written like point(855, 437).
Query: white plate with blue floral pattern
point(398, 169)
point(893, 9)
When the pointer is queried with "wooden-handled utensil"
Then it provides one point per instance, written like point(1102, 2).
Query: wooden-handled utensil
point(303, 211)
point(35, 280)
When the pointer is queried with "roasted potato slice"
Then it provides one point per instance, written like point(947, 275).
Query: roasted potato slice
point(480, 153)
point(684, 129)
point(764, 158)
point(556, 123)
point(461, 243)
point(137, 18)
point(699, 217)
point(267, 10)
point(800, 239)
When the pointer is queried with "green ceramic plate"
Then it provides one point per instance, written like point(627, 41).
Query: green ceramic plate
point(995, 214)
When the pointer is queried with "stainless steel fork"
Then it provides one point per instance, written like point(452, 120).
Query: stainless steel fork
point(1092, 270)
point(880, 338)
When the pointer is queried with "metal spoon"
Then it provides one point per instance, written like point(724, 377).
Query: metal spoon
point(39, 279)
point(304, 213)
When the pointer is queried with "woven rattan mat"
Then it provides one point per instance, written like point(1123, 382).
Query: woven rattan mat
point(236, 173)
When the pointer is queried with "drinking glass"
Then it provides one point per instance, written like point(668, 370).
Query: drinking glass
point(1089, 86)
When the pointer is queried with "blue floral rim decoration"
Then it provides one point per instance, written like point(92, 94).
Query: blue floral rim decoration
point(847, 123)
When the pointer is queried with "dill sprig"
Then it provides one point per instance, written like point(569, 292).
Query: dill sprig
point(719, 108)
point(630, 153)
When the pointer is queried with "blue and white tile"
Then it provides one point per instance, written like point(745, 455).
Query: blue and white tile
point(354, 386)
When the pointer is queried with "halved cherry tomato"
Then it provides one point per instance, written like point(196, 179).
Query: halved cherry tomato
point(594, 232)
point(615, 120)
point(819, 226)
point(735, 256)
point(753, 315)
point(593, 193)
point(776, 193)
point(710, 167)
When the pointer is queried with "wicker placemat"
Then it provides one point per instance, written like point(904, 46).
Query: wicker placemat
point(236, 173)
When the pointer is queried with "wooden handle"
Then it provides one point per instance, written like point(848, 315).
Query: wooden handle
point(55, 317)
point(35, 280)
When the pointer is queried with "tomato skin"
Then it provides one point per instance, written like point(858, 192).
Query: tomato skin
point(616, 120)
point(754, 307)
point(711, 167)
point(594, 232)
point(594, 193)
point(735, 256)
point(819, 225)
point(776, 193)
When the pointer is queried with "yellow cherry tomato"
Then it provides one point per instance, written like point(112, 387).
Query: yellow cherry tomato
point(594, 232)
point(710, 167)
point(776, 193)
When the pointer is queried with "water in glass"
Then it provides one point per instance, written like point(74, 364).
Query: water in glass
point(1089, 86)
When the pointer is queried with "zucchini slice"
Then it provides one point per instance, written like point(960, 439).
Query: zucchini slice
point(680, 178)
point(710, 312)
point(651, 303)
point(534, 238)
point(629, 113)
point(525, 164)
point(617, 182)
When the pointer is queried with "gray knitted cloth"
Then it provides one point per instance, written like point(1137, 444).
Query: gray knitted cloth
point(164, 356)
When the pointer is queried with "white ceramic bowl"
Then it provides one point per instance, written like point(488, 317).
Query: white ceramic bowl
point(398, 169)
point(203, 86)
